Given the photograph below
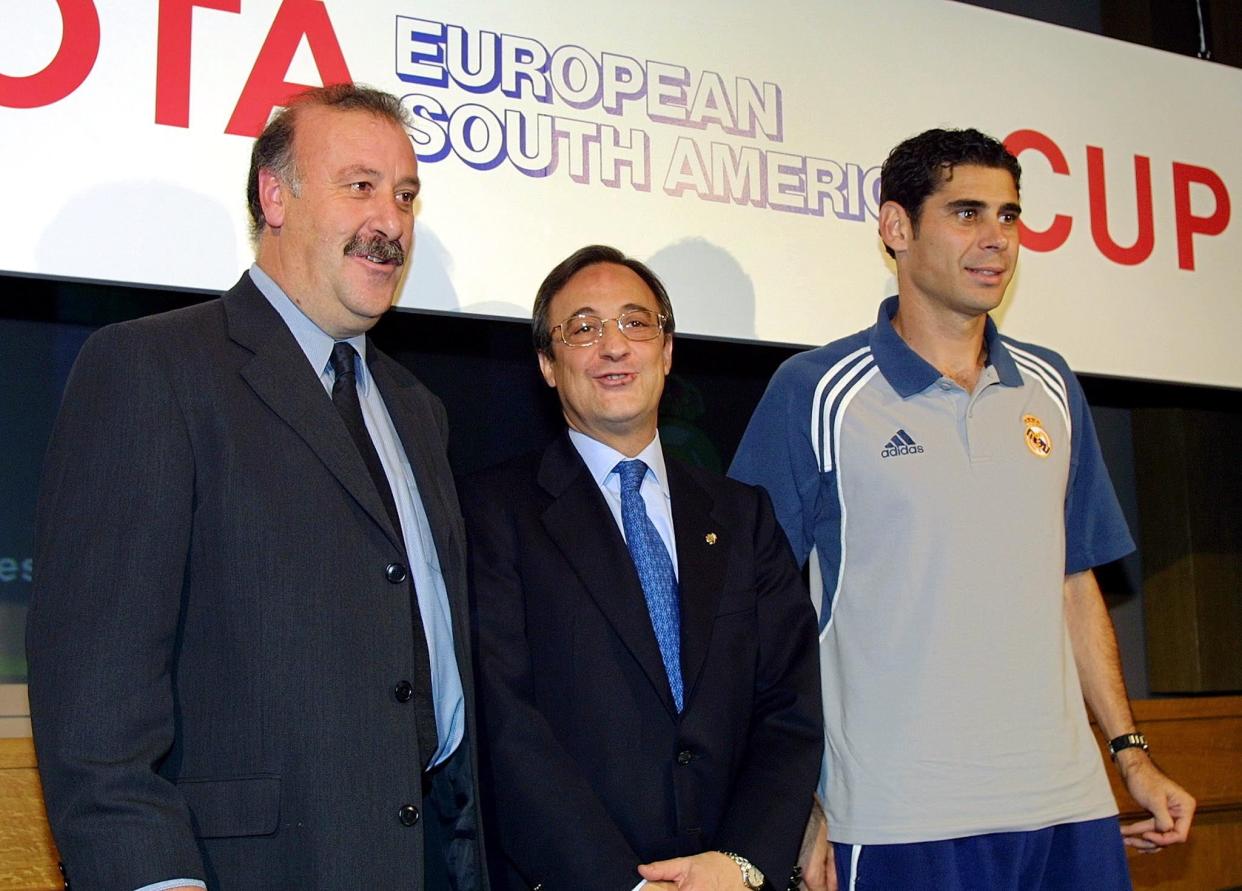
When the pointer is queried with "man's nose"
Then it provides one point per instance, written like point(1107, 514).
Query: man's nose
point(389, 218)
point(611, 341)
point(994, 236)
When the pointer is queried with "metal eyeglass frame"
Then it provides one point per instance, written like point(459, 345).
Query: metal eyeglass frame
point(603, 323)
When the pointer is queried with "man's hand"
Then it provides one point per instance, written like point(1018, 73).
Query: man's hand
point(1171, 807)
point(819, 871)
point(709, 871)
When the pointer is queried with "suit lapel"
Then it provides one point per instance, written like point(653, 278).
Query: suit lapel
point(703, 547)
point(280, 376)
point(580, 524)
point(411, 416)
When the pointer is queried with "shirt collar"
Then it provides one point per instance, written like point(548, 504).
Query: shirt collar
point(909, 373)
point(314, 341)
point(601, 459)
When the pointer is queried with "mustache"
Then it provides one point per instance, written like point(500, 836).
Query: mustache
point(380, 248)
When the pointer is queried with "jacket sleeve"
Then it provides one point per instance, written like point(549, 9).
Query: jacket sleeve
point(111, 543)
point(771, 796)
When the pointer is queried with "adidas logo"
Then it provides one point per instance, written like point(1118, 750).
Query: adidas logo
point(901, 444)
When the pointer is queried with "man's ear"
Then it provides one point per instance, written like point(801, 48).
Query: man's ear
point(273, 192)
point(547, 366)
point(896, 230)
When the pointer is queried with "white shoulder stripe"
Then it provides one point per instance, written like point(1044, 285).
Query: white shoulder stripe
point(1049, 378)
point(868, 370)
point(817, 427)
point(833, 394)
point(1054, 376)
point(839, 399)
point(1053, 392)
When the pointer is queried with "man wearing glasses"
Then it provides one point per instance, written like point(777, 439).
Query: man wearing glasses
point(648, 674)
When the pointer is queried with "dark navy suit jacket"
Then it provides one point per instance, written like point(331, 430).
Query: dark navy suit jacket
point(592, 769)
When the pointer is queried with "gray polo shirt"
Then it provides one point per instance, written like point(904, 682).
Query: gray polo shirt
point(944, 524)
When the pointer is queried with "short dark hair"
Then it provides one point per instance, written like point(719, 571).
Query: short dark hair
point(541, 327)
point(273, 149)
point(916, 168)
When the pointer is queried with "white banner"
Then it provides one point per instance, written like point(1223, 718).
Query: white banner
point(734, 146)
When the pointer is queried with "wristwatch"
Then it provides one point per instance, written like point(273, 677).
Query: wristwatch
point(752, 878)
point(1126, 741)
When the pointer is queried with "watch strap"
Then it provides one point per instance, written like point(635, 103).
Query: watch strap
point(1134, 740)
point(751, 876)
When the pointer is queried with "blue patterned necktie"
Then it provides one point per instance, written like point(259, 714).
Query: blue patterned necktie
point(655, 572)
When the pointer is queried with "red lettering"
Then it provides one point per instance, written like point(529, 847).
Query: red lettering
point(79, 47)
point(1189, 225)
point(266, 87)
point(1056, 234)
point(172, 57)
point(1097, 197)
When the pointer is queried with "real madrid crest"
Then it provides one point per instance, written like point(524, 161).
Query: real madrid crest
point(1037, 438)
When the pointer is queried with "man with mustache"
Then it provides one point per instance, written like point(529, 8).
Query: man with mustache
point(248, 659)
point(951, 484)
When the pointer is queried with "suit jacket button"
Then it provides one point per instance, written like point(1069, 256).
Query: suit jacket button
point(408, 815)
point(684, 757)
point(396, 573)
point(404, 691)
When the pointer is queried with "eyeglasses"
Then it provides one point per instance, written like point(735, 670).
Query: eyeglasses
point(585, 330)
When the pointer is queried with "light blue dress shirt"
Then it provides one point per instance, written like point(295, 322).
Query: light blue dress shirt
point(600, 461)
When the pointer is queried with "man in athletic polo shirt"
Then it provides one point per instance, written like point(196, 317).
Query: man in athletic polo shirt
point(950, 481)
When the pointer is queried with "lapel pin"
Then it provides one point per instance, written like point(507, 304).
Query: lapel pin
point(710, 538)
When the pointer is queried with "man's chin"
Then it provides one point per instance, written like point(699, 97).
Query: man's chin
point(369, 307)
point(376, 288)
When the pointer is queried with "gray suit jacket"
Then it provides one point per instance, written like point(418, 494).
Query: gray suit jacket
point(213, 639)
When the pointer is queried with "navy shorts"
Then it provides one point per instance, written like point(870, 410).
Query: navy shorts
point(1068, 857)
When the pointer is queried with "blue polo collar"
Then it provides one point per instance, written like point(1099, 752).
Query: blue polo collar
point(908, 373)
